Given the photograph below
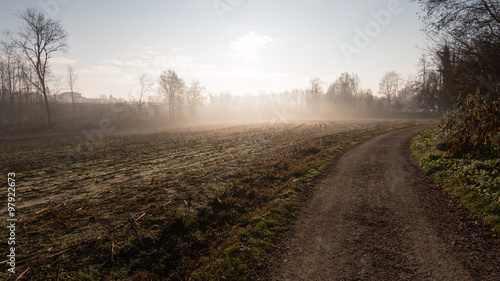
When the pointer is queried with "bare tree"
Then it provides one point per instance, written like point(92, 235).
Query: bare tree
point(195, 96)
point(3, 90)
point(389, 86)
point(21, 81)
point(55, 88)
point(344, 89)
point(155, 101)
point(462, 22)
point(9, 77)
point(38, 39)
point(467, 36)
point(146, 84)
point(180, 98)
point(314, 92)
point(406, 94)
point(171, 87)
point(72, 77)
point(15, 87)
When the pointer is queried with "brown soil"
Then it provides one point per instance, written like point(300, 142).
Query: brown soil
point(376, 217)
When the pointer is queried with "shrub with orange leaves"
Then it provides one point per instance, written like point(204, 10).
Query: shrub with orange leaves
point(474, 128)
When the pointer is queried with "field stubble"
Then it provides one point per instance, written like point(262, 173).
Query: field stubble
point(117, 197)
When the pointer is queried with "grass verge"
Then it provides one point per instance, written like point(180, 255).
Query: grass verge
point(475, 182)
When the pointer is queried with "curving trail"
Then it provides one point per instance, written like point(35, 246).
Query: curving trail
point(375, 217)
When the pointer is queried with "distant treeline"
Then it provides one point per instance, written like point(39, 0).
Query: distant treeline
point(174, 101)
point(464, 61)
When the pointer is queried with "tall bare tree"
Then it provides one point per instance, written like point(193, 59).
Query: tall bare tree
point(314, 93)
point(344, 89)
point(9, 77)
point(171, 87)
point(72, 77)
point(145, 83)
point(38, 39)
point(195, 96)
point(389, 86)
point(180, 97)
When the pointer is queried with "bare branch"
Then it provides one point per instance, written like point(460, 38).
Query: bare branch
point(38, 39)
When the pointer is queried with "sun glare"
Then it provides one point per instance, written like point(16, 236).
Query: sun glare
point(246, 48)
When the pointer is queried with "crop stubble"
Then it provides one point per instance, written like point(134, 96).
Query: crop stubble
point(125, 174)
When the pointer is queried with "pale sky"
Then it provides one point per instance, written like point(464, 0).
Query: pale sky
point(242, 46)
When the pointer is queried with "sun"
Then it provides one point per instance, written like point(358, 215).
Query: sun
point(247, 47)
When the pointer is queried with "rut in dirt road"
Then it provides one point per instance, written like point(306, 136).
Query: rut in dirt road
point(375, 217)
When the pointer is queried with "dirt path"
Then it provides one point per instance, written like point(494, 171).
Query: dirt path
point(375, 217)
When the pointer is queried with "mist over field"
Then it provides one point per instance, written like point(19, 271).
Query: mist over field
point(177, 140)
point(174, 103)
point(240, 74)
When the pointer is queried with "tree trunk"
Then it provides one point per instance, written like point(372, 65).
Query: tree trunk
point(44, 92)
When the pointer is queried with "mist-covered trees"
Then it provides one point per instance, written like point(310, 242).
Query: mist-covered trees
point(37, 40)
point(195, 97)
point(405, 100)
point(389, 87)
point(25, 70)
point(145, 85)
point(72, 77)
point(314, 92)
point(172, 88)
point(18, 101)
point(343, 90)
point(27, 90)
point(345, 95)
point(9, 74)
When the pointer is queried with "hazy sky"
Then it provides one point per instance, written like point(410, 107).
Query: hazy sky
point(243, 46)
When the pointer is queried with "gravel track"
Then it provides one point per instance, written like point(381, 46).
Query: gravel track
point(376, 217)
